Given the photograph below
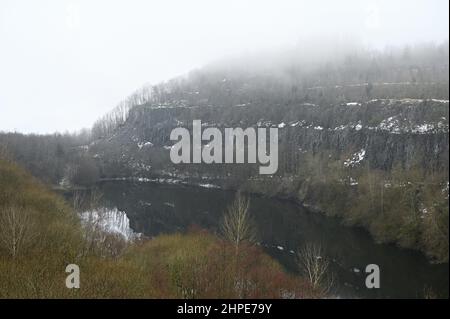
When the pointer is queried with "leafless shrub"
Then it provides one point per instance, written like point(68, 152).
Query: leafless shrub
point(315, 267)
point(93, 229)
point(17, 229)
point(95, 198)
point(113, 245)
point(99, 239)
point(78, 200)
point(82, 201)
point(237, 224)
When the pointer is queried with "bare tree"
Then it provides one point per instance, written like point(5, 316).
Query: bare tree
point(16, 229)
point(99, 239)
point(94, 218)
point(78, 201)
point(83, 201)
point(237, 224)
point(94, 230)
point(315, 266)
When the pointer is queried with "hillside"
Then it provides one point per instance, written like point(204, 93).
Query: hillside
point(40, 234)
point(364, 137)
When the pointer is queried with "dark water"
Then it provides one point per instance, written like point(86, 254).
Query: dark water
point(283, 227)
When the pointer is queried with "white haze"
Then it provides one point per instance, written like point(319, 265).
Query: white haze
point(64, 63)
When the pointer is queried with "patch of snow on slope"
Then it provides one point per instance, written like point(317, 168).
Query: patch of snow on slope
point(262, 123)
point(141, 167)
point(142, 144)
point(356, 158)
point(439, 101)
point(353, 182)
point(423, 128)
point(391, 125)
point(340, 128)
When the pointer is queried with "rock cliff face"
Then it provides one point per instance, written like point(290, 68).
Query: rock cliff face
point(382, 164)
point(380, 134)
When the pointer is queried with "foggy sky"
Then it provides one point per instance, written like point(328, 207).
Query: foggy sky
point(64, 63)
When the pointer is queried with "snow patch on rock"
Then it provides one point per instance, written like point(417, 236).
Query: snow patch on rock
point(356, 159)
point(143, 144)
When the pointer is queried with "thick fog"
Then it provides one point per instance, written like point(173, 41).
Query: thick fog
point(65, 63)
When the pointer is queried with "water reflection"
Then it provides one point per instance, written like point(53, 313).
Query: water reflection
point(283, 227)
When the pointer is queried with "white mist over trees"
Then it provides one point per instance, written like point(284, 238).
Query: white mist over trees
point(68, 62)
point(294, 74)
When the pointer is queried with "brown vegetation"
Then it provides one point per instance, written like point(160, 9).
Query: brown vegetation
point(40, 235)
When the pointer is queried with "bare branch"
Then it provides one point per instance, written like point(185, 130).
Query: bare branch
point(16, 229)
point(315, 266)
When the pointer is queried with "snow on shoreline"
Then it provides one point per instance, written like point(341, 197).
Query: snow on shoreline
point(209, 186)
point(162, 180)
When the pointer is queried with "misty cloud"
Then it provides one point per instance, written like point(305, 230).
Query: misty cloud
point(65, 63)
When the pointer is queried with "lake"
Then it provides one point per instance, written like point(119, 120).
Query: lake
point(283, 226)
